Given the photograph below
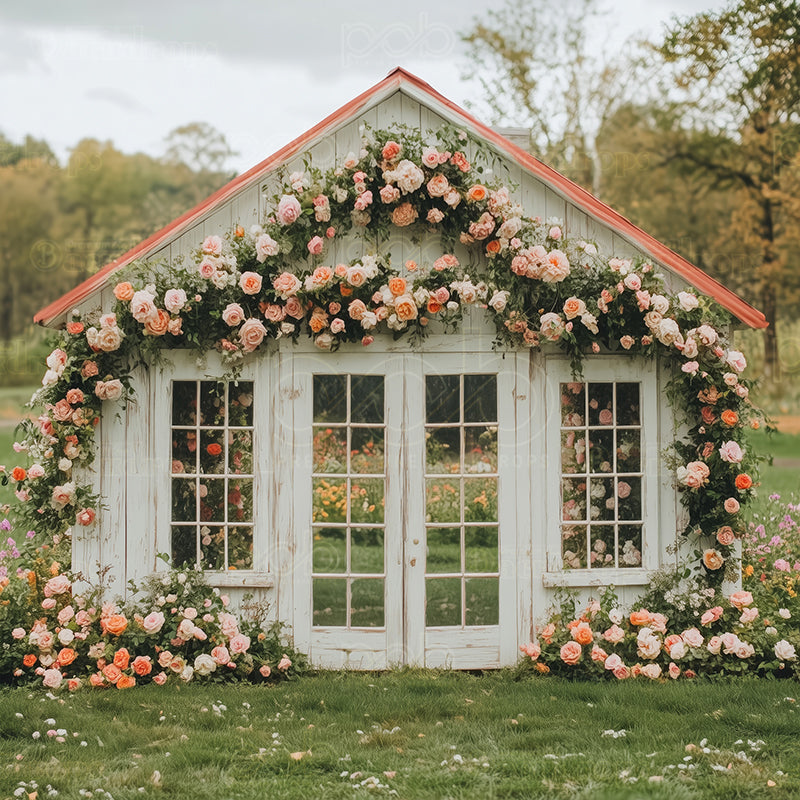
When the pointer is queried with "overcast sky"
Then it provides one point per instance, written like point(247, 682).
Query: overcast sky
point(260, 72)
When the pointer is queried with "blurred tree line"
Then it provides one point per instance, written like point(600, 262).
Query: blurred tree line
point(60, 223)
point(695, 138)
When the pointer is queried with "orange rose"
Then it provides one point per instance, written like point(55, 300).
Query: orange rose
point(142, 665)
point(743, 481)
point(543, 668)
point(122, 658)
point(397, 286)
point(405, 308)
point(476, 192)
point(571, 653)
point(214, 449)
point(318, 321)
point(75, 327)
point(238, 232)
point(434, 307)
point(123, 291)
point(112, 673)
point(18, 474)
point(157, 325)
point(582, 633)
point(729, 417)
point(66, 656)
point(493, 248)
point(640, 617)
point(712, 559)
point(126, 682)
point(29, 660)
point(114, 624)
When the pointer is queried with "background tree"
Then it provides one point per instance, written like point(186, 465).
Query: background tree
point(736, 84)
point(547, 71)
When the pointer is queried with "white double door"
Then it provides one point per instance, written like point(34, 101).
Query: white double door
point(405, 507)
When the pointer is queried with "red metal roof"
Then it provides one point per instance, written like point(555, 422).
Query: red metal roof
point(392, 82)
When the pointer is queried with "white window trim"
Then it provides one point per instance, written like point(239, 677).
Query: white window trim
point(185, 366)
point(599, 369)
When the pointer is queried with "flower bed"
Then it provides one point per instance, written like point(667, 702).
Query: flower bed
point(178, 629)
point(271, 282)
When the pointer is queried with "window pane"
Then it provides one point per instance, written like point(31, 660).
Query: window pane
point(442, 398)
point(366, 450)
point(330, 450)
point(442, 601)
point(601, 450)
point(212, 500)
point(367, 500)
point(482, 597)
point(442, 451)
point(330, 601)
point(602, 546)
point(573, 452)
point(630, 546)
point(480, 398)
point(480, 500)
point(629, 494)
point(573, 399)
point(366, 398)
point(480, 547)
point(184, 545)
point(184, 503)
point(240, 500)
point(212, 403)
point(330, 398)
point(601, 403)
point(184, 452)
point(240, 404)
point(443, 499)
point(444, 550)
point(330, 500)
point(480, 449)
point(240, 452)
point(330, 550)
point(240, 547)
point(366, 603)
point(212, 547)
point(184, 403)
point(573, 546)
point(603, 500)
point(628, 403)
point(573, 499)
point(366, 550)
point(629, 450)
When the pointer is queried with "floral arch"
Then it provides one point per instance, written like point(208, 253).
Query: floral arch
point(538, 287)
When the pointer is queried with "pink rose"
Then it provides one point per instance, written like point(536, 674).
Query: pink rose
point(736, 360)
point(389, 194)
point(621, 672)
point(108, 390)
point(62, 410)
point(250, 282)
point(315, 246)
point(265, 246)
point(362, 202)
point(18, 633)
point(153, 622)
point(160, 679)
point(52, 678)
point(571, 653)
point(633, 282)
point(731, 505)
point(651, 671)
point(228, 624)
point(251, 334)
point(212, 245)
point(555, 268)
point(284, 663)
point(674, 670)
point(85, 516)
point(712, 615)
point(49, 603)
point(143, 307)
point(612, 662)
point(57, 585)
point(286, 285)
point(614, 634)
point(337, 325)
point(174, 300)
point(692, 637)
point(221, 655)
point(239, 643)
point(207, 269)
point(731, 452)
point(74, 396)
point(265, 670)
point(694, 474)
point(532, 650)
point(289, 209)
point(748, 615)
point(233, 314)
point(274, 312)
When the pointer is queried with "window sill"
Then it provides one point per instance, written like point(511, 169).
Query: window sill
point(240, 578)
point(592, 578)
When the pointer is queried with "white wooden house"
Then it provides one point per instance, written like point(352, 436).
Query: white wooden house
point(405, 585)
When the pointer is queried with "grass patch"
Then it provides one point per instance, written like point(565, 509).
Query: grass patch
point(443, 735)
point(783, 476)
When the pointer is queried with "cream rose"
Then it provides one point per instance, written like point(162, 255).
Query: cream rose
point(174, 300)
point(785, 651)
point(265, 246)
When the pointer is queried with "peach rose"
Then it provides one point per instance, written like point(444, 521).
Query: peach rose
point(476, 193)
point(126, 682)
point(582, 633)
point(288, 210)
point(250, 282)
point(124, 291)
point(112, 673)
point(640, 617)
point(60, 584)
point(233, 314)
point(122, 658)
point(114, 624)
point(438, 185)
point(405, 214)
point(286, 285)
point(712, 559)
point(108, 390)
point(142, 665)
point(86, 516)
point(160, 679)
point(397, 286)
point(66, 656)
point(571, 653)
point(143, 307)
point(405, 308)
point(741, 599)
point(573, 307)
point(555, 268)
point(265, 246)
point(251, 334)
point(726, 536)
point(74, 396)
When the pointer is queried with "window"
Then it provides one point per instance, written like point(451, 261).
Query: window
point(212, 475)
point(601, 475)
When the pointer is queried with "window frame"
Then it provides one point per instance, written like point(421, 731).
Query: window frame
point(600, 369)
point(187, 367)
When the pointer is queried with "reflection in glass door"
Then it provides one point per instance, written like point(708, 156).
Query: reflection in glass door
point(461, 501)
point(349, 488)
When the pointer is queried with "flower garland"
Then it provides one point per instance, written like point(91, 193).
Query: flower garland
point(272, 281)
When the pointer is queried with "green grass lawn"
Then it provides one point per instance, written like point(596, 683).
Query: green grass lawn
point(783, 477)
point(435, 735)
